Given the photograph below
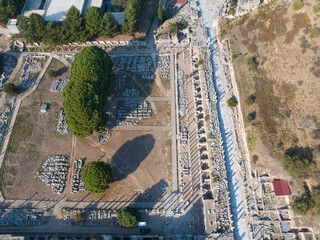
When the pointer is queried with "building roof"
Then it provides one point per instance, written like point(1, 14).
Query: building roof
point(181, 1)
point(281, 188)
point(57, 9)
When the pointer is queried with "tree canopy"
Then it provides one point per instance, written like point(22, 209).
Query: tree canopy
point(93, 20)
point(89, 85)
point(10, 89)
point(109, 25)
point(132, 13)
point(10, 9)
point(128, 217)
point(160, 12)
point(297, 165)
point(32, 28)
point(97, 176)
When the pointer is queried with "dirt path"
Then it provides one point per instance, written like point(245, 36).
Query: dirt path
point(70, 172)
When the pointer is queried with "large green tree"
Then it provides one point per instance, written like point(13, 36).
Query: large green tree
point(130, 24)
point(73, 27)
point(298, 166)
point(10, 9)
point(32, 28)
point(52, 34)
point(97, 176)
point(109, 25)
point(128, 217)
point(89, 85)
point(160, 12)
point(93, 21)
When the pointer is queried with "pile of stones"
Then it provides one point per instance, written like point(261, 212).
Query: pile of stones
point(131, 92)
point(20, 217)
point(106, 136)
point(8, 64)
point(164, 65)
point(134, 109)
point(62, 127)
point(58, 85)
point(136, 64)
point(184, 135)
point(182, 99)
point(119, 79)
point(54, 172)
point(184, 163)
point(4, 118)
point(77, 183)
point(31, 68)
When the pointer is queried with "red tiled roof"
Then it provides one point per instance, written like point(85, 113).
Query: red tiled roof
point(181, 1)
point(281, 188)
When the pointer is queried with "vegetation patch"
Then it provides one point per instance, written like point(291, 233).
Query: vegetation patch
point(128, 217)
point(300, 21)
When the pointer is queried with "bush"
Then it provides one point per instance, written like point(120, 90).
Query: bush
point(128, 217)
point(87, 91)
point(80, 217)
point(316, 8)
point(248, 119)
point(173, 28)
point(234, 56)
point(252, 48)
point(298, 166)
point(251, 63)
point(251, 99)
point(302, 205)
point(255, 158)
point(315, 32)
point(262, 15)
point(297, 5)
point(53, 73)
point(10, 89)
point(97, 176)
point(223, 32)
point(232, 102)
point(142, 38)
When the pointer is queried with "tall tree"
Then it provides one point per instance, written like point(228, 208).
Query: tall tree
point(130, 24)
point(52, 34)
point(160, 12)
point(109, 25)
point(73, 28)
point(93, 20)
point(10, 9)
point(87, 90)
point(32, 28)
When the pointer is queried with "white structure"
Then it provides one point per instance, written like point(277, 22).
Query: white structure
point(12, 26)
point(55, 10)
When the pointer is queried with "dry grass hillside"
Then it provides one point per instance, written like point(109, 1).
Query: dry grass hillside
point(276, 58)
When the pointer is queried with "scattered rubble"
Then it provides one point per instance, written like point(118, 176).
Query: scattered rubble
point(62, 127)
point(133, 109)
point(164, 65)
point(77, 183)
point(20, 217)
point(58, 85)
point(106, 136)
point(9, 63)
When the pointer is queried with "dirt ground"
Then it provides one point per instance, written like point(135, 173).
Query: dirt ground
point(33, 139)
point(285, 85)
point(141, 162)
point(141, 159)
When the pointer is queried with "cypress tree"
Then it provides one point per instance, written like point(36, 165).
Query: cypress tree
point(160, 12)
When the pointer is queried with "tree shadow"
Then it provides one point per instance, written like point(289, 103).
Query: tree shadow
point(303, 152)
point(129, 156)
point(62, 70)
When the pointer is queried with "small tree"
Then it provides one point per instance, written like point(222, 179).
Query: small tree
point(248, 119)
point(173, 28)
point(255, 159)
point(10, 89)
point(297, 5)
point(232, 102)
point(302, 205)
point(160, 12)
point(128, 217)
point(316, 8)
point(97, 176)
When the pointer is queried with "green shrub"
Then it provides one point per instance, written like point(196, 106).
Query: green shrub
point(248, 119)
point(316, 8)
point(173, 28)
point(128, 217)
point(255, 158)
point(251, 99)
point(251, 63)
point(80, 217)
point(232, 102)
point(297, 5)
point(242, 19)
point(53, 73)
point(315, 32)
point(142, 38)
point(262, 15)
point(234, 56)
point(223, 32)
point(97, 176)
point(229, 27)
